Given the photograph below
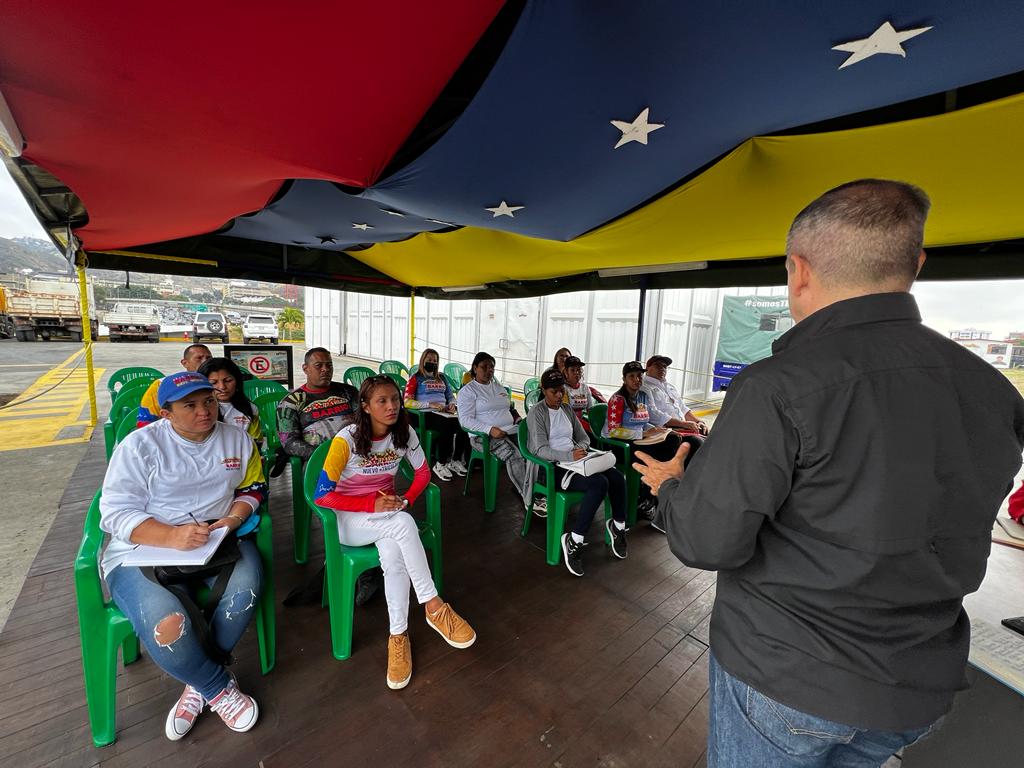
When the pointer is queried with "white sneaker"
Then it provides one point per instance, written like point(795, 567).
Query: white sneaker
point(183, 714)
point(238, 711)
point(442, 472)
point(540, 506)
point(458, 468)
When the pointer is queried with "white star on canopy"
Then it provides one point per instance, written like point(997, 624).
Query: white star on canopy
point(363, 227)
point(885, 39)
point(638, 130)
point(504, 210)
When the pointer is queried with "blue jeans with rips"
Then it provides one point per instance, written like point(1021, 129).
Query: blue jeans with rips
point(183, 657)
point(747, 728)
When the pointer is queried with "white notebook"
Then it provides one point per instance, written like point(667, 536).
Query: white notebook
point(144, 554)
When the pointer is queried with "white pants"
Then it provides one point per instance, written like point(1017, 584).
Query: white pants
point(402, 558)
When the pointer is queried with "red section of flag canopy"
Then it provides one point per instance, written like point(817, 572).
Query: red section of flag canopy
point(167, 120)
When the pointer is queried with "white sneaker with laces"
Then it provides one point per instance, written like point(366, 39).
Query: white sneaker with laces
point(238, 711)
point(183, 714)
point(458, 468)
point(442, 472)
point(540, 506)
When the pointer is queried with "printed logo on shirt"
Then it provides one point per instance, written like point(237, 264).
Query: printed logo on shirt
point(231, 462)
point(376, 463)
point(578, 401)
point(241, 421)
point(328, 407)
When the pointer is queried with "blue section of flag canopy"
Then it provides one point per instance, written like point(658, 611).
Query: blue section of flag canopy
point(319, 214)
point(538, 133)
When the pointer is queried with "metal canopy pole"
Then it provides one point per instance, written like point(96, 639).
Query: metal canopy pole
point(642, 310)
point(83, 300)
point(412, 329)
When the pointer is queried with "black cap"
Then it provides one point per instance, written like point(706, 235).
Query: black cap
point(634, 366)
point(658, 359)
point(552, 379)
point(573, 362)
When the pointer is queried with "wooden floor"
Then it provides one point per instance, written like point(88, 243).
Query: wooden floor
point(607, 670)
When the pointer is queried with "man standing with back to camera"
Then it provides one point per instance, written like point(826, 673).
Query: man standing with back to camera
point(846, 497)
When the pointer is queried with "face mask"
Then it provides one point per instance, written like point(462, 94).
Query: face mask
point(430, 367)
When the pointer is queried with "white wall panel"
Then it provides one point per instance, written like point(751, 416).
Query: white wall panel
point(523, 334)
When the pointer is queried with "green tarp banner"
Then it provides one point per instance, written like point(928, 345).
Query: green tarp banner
point(749, 326)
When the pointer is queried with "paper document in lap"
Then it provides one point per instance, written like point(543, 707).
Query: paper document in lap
point(652, 440)
point(144, 554)
point(439, 413)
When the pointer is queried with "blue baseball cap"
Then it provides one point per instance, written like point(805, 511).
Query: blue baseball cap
point(178, 385)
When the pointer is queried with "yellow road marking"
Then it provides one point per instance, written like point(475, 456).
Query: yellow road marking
point(50, 404)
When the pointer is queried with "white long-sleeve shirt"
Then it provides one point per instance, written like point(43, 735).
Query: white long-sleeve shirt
point(482, 406)
point(156, 473)
point(665, 398)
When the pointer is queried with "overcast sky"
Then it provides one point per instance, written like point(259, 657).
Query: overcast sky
point(991, 305)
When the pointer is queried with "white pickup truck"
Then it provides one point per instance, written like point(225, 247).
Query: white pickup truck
point(259, 327)
point(133, 321)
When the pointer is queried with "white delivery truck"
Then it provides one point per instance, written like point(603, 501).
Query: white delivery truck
point(128, 321)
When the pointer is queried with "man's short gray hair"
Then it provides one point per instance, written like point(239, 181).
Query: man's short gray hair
point(862, 233)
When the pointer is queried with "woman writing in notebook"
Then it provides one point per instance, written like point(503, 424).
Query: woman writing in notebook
point(557, 436)
point(168, 486)
point(358, 480)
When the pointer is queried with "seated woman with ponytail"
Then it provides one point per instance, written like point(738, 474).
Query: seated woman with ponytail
point(358, 480)
point(629, 418)
point(235, 407)
point(428, 390)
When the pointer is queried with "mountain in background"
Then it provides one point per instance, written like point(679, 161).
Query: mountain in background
point(20, 253)
point(30, 253)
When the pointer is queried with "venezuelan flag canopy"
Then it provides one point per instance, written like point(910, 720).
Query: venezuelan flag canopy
point(469, 148)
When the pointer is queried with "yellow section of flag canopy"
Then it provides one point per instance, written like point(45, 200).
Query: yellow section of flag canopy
point(970, 162)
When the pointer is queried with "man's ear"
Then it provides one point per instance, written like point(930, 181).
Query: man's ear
point(165, 413)
point(920, 262)
point(799, 273)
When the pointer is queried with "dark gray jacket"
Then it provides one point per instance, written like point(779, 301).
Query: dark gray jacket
point(846, 496)
point(540, 428)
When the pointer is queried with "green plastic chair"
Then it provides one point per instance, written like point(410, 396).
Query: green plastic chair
point(122, 376)
point(533, 397)
point(399, 382)
point(530, 386)
point(427, 436)
point(254, 388)
point(125, 428)
point(394, 366)
point(491, 465)
point(596, 416)
point(454, 372)
point(557, 511)
point(103, 628)
point(267, 405)
point(357, 374)
point(126, 405)
point(345, 563)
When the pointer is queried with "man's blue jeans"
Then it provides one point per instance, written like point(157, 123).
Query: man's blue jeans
point(146, 604)
point(746, 728)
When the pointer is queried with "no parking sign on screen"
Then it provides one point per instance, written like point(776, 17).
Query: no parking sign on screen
point(271, 363)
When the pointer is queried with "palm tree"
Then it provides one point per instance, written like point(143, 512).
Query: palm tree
point(291, 318)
